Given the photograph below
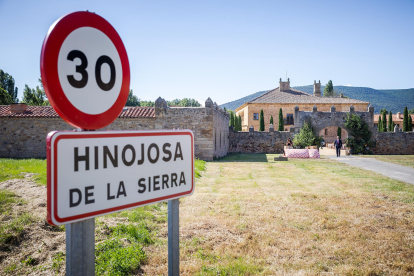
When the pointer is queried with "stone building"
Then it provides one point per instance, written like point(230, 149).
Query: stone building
point(23, 129)
point(287, 98)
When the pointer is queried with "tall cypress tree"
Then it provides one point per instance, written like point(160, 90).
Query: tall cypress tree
point(262, 125)
point(232, 119)
point(339, 132)
point(236, 123)
point(405, 120)
point(281, 124)
point(384, 122)
point(390, 129)
point(271, 119)
point(410, 123)
point(379, 123)
point(240, 123)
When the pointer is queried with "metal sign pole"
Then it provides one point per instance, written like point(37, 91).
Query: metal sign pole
point(80, 248)
point(173, 238)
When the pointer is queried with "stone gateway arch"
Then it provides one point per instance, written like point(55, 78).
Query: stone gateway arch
point(322, 120)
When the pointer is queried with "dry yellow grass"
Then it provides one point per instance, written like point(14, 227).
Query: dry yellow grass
point(302, 217)
point(404, 160)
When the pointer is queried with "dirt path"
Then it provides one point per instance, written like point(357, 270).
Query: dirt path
point(38, 240)
point(402, 173)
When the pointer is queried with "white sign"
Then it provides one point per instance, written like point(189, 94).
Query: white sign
point(96, 173)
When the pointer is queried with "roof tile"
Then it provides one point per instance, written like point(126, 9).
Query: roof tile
point(49, 112)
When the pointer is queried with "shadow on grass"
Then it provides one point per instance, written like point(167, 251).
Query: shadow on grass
point(244, 157)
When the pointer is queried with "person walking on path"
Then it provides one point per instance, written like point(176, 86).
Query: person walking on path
point(338, 146)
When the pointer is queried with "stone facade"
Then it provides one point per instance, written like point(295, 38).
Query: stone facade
point(394, 143)
point(247, 113)
point(258, 141)
point(321, 120)
point(25, 137)
point(329, 134)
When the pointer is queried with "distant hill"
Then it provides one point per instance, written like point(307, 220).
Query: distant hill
point(391, 99)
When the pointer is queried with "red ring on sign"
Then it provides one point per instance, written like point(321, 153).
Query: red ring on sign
point(49, 70)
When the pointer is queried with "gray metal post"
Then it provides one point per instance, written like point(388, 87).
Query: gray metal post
point(173, 238)
point(80, 248)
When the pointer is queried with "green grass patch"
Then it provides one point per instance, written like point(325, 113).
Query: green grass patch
point(120, 250)
point(236, 267)
point(200, 166)
point(17, 168)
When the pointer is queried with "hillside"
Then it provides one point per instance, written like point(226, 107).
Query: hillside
point(392, 99)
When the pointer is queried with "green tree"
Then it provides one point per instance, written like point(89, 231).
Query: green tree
point(384, 122)
point(236, 123)
point(5, 98)
point(231, 118)
point(410, 123)
point(186, 102)
point(147, 103)
point(339, 132)
point(271, 119)
point(379, 124)
point(390, 128)
point(7, 83)
point(224, 108)
point(281, 126)
point(383, 111)
point(306, 137)
point(262, 124)
point(405, 120)
point(328, 91)
point(35, 97)
point(132, 99)
point(360, 132)
point(411, 111)
point(240, 123)
point(393, 126)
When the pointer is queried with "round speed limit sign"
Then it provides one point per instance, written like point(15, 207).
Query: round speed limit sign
point(85, 70)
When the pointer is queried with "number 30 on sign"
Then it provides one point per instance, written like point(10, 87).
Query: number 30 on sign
point(84, 61)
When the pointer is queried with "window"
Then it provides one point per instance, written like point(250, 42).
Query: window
point(255, 116)
point(289, 119)
point(326, 131)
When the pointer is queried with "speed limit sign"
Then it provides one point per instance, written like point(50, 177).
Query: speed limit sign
point(85, 70)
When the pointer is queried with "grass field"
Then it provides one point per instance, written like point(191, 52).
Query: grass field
point(404, 160)
point(250, 215)
point(18, 168)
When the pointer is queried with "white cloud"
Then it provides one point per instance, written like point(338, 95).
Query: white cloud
point(348, 85)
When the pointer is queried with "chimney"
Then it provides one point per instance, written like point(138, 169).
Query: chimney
point(284, 85)
point(399, 115)
point(317, 88)
point(18, 108)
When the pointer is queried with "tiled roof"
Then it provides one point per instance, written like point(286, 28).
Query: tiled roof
point(296, 96)
point(49, 112)
point(395, 118)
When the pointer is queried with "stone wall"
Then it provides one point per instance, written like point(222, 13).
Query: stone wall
point(333, 118)
point(394, 143)
point(258, 141)
point(25, 137)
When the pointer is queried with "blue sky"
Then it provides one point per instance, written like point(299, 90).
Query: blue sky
point(229, 49)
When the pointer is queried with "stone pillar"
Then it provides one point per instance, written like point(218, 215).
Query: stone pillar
point(296, 119)
point(314, 109)
point(333, 108)
point(371, 116)
point(351, 109)
point(209, 106)
point(271, 128)
point(251, 129)
point(396, 129)
point(160, 112)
